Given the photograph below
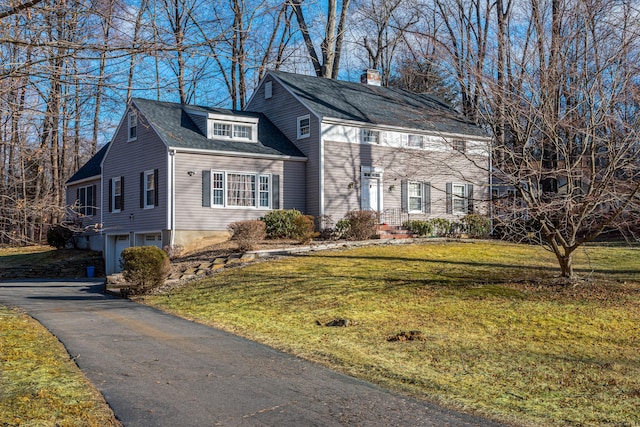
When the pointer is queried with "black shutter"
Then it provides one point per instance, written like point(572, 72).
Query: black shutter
point(94, 199)
point(470, 198)
point(110, 195)
point(404, 196)
point(142, 190)
point(156, 192)
point(426, 197)
point(449, 198)
point(206, 188)
point(275, 192)
point(122, 193)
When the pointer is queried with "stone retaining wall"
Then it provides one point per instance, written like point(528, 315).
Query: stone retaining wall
point(59, 269)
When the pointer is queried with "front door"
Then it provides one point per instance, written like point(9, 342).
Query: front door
point(371, 191)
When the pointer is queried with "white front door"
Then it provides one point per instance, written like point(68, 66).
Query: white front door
point(372, 191)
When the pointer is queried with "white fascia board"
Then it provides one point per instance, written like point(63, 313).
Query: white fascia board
point(232, 118)
point(355, 123)
point(237, 154)
point(82, 181)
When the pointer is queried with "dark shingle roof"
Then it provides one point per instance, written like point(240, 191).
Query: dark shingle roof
point(178, 130)
point(376, 105)
point(90, 169)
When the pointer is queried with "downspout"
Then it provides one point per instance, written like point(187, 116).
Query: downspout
point(321, 167)
point(171, 197)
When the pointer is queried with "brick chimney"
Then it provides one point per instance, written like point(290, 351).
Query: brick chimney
point(370, 77)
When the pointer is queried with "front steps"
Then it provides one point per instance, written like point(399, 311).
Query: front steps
point(385, 231)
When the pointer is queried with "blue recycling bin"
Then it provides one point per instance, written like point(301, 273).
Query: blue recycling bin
point(91, 271)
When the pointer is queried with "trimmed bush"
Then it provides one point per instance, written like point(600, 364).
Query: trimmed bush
point(360, 225)
point(144, 267)
point(304, 229)
point(422, 228)
point(59, 236)
point(247, 233)
point(280, 223)
point(476, 225)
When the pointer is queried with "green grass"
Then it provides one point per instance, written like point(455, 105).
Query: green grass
point(503, 338)
point(39, 384)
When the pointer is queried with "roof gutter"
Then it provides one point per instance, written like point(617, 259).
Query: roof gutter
point(238, 154)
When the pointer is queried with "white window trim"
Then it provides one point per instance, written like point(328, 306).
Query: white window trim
point(455, 197)
point(147, 174)
point(253, 126)
point(409, 196)
point(132, 122)
point(367, 132)
point(225, 204)
point(113, 194)
point(299, 127)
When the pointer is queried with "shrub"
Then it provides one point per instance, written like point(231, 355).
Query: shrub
point(361, 224)
point(247, 233)
point(342, 227)
point(304, 228)
point(327, 231)
point(420, 227)
point(441, 226)
point(280, 223)
point(144, 267)
point(476, 225)
point(59, 236)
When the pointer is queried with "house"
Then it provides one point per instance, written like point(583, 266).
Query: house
point(179, 174)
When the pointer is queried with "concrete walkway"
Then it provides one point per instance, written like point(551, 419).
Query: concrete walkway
point(155, 369)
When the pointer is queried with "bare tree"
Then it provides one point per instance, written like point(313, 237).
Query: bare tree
point(328, 63)
point(565, 114)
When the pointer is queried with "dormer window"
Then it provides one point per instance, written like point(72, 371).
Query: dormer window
point(242, 131)
point(459, 145)
point(224, 127)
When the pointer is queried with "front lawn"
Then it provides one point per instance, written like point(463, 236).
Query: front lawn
point(39, 384)
point(498, 335)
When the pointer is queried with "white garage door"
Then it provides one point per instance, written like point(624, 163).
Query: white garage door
point(122, 242)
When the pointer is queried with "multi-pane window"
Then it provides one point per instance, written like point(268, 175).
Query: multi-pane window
point(133, 127)
point(460, 145)
point(227, 130)
point(458, 198)
point(116, 196)
point(370, 136)
point(217, 186)
point(415, 141)
point(222, 129)
point(149, 189)
point(304, 126)
point(415, 196)
point(264, 191)
point(242, 132)
point(236, 189)
point(86, 200)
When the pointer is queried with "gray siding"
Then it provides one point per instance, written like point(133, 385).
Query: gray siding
point(129, 159)
point(342, 167)
point(189, 212)
point(283, 110)
point(71, 197)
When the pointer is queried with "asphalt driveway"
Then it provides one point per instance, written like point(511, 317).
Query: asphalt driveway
point(155, 369)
